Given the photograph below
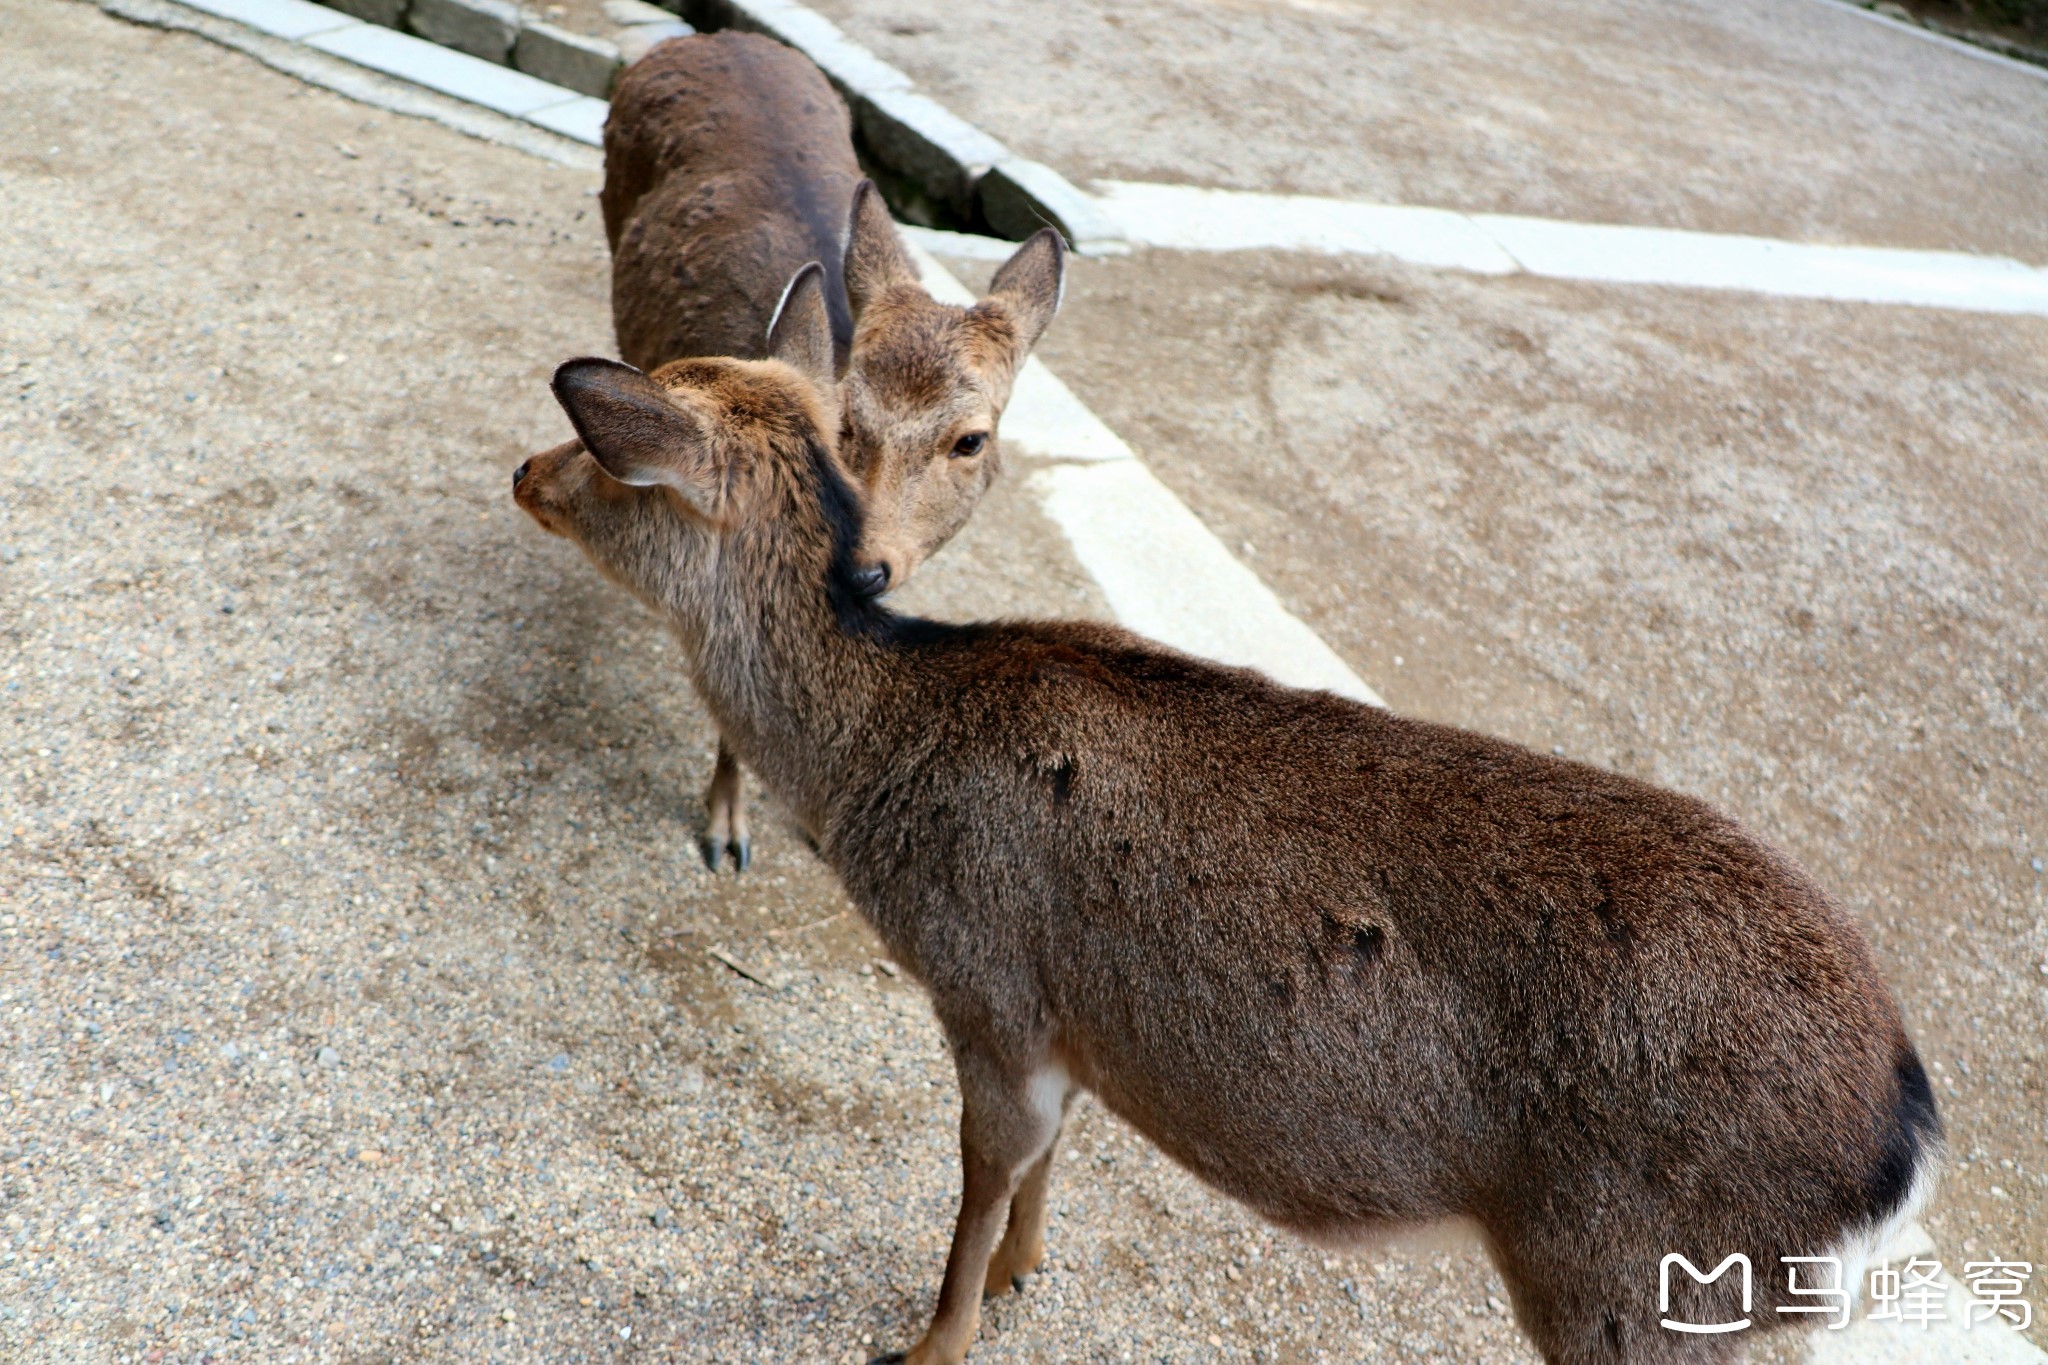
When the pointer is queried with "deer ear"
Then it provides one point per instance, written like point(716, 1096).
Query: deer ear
point(635, 431)
point(1030, 286)
point(875, 258)
point(800, 335)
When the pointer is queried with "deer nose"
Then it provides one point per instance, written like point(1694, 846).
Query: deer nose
point(873, 580)
point(520, 473)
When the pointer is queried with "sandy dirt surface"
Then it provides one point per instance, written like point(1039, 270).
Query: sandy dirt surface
point(356, 997)
point(1780, 117)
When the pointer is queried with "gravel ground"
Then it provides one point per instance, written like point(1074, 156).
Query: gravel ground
point(357, 999)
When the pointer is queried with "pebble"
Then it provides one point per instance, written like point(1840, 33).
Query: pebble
point(327, 1057)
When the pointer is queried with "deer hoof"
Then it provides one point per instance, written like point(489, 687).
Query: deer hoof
point(713, 849)
point(888, 1358)
point(742, 854)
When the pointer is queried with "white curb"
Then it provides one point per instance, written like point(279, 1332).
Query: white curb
point(428, 65)
point(1189, 217)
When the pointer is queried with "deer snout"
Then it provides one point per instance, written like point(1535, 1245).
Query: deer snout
point(872, 580)
point(520, 473)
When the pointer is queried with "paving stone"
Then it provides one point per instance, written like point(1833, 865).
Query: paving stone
point(1018, 196)
point(283, 18)
point(585, 65)
point(389, 13)
point(438, 68)
point(482, 28)
point(626, 13)
point(920, 138)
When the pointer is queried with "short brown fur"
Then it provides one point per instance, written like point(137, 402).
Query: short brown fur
point(1355, 970)
point(728, 165)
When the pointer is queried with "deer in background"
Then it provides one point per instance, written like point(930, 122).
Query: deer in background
point(1357, 971)
point(729, 164)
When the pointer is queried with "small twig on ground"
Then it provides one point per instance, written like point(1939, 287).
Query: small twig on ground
point(806, 928)
point(758, 978)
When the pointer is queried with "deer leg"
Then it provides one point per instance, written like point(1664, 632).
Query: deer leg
point(1022, 1249)
point(1005, 1130)
point(725, 805)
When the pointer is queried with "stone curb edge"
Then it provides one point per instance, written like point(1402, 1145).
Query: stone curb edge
point(275, 33)
point(975, 179)
point(1954, 40)
point(934, 162)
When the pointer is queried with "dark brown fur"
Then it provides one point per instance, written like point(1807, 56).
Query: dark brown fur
point(1355, 970)
point(728, 164)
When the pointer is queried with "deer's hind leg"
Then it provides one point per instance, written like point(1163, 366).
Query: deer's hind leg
point(725, 808)
point(1007, 1128)
point(1022, 1249)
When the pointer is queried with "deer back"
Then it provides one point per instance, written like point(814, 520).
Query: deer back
point(728, 165)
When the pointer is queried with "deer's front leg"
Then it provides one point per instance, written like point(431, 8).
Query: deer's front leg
point(725, 806)
point(1007, 1127)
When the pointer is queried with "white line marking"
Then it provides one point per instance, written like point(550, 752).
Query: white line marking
point(1167, 576)
point(1163, 572)
point(293, 19)
point(1190, 217)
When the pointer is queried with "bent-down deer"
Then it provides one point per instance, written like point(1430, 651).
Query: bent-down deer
point(728, 164)
point(1357, 971)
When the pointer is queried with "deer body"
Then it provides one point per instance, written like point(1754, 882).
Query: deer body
point(729, 164)
point(1355, 970)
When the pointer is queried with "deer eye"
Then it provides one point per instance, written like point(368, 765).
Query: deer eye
point(970, 445)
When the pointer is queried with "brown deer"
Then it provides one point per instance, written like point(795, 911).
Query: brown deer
point(1359, 972)
point(729, 164)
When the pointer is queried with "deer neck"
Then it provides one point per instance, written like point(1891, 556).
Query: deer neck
point(794, 669)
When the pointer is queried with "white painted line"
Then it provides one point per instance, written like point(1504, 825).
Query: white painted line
point(1162, 571)
point(961, 246)
point(1763, 265)
point(439, 68)
point(580, 117)
point(1191, 218)
point(304, 62)
point(294, 19)
point(1045, 419)
point(1167, 576)
point(1982, 54)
